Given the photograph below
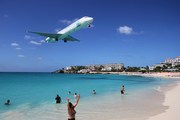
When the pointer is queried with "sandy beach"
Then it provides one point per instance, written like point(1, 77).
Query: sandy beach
point(171, 96)
point(151, 74)
point(171, 99)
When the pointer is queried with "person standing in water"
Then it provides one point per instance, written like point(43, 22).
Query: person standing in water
point(58, 99)
point(122, 90)
point(75, 95)
point(94, 92)
point(71, 107)
point(7, 103)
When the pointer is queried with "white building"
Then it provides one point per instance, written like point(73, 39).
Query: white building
point(174, 62)
point(156, 65)
point(68, 68)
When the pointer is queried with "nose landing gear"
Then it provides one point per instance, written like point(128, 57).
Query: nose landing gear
point(89, 25)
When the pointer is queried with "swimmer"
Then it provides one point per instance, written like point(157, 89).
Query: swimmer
point(75, 95)
point(58, 99)
point(71, 107)
point(69, 92)
point(94, 92)
point(122, 90)
point(7, 103)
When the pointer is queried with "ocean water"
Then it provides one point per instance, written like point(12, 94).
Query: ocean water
point(32, 96)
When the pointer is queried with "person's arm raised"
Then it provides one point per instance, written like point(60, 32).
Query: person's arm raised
point(69, 109)
point(77, 100)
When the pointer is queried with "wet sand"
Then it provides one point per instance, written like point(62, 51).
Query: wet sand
point(172, 101)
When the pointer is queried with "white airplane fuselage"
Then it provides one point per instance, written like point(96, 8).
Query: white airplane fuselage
point(84, 21)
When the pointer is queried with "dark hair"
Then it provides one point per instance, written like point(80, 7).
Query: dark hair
point(75, 93)
point(70, 104)
point(123, 85)
point(8, 100)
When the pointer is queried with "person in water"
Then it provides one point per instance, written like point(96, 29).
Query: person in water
point(75, 95)
point(58, 99)
point(7, 103)
point(69, 92)
point(94, 92)
point(122, 90)
point(71, 107)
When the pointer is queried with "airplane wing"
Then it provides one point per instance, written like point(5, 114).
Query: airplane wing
point(51, 35)
point(70, 38)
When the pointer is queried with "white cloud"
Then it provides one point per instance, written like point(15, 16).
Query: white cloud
point(14, 44)
point(126, 30)
point(34, 42)
point(21, 56)
point(58, 29)
point(18, 48)
point(28, 37)
point(42, 41)
point(68, 21)
point(39, 58)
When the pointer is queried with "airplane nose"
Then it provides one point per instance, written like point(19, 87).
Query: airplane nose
point(91, 20)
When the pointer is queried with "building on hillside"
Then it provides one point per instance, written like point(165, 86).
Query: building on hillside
point(115, 65)
point(92, 67)
point(152, 67)
point(84, 71)
point(156, 65)
point(68, 68)
point(174, 62)
point(107, 67)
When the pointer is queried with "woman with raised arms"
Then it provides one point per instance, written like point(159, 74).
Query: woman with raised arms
point(71, 107)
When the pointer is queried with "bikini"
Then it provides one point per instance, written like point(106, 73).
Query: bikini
point(73, 112)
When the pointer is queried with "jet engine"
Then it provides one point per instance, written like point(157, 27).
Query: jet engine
point(51, 40)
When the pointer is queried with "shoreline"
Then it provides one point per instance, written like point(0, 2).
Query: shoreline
point(172, 101)
point(150, 74)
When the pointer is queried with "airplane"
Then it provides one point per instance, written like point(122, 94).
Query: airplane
point(64, 34)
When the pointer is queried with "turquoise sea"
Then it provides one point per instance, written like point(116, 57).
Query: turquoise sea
point(32, 96)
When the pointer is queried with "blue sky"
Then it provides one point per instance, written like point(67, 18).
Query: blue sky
point(134, 32)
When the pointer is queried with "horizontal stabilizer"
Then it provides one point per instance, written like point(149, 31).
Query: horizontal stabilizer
point(70, 38)
point(51, 35)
